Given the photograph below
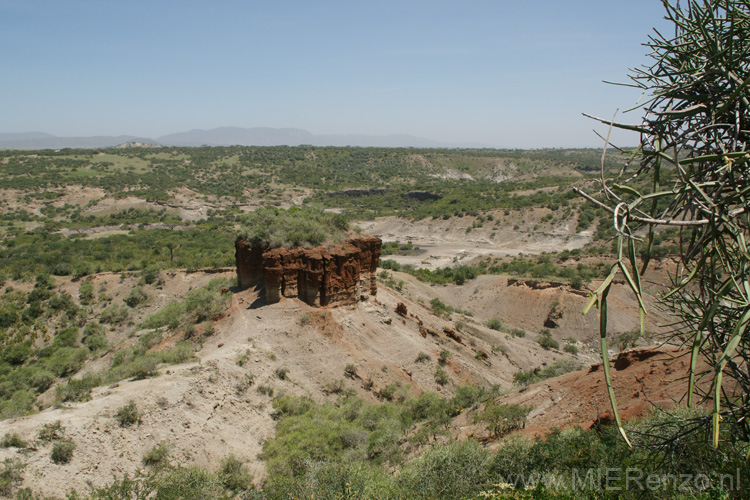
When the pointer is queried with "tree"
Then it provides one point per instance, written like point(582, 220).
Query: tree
point(693, 173)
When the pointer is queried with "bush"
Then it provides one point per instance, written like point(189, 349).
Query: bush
point(298, 226)
point(455, 470)
point(51, 432)
point(233, 476)
point(13, 440)
point(441, 376)
point(94, 337)
point(86, 293)
point(136, 296)
point(157, 455)
point(182, 483)
point(496, 324)
point(556, 369)
point(571, 349)
point(11, 474)
point(350, 371)
point(421, 357)
point(180, 353)
point(128, 415)
point(62, 451)
point(78, 389)
point(502, 419)
point(66, 360)
point(546, 341)
point(443, 356)
point(114, 314)
point(517, 332)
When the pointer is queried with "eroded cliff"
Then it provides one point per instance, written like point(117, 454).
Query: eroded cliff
point(340, 274)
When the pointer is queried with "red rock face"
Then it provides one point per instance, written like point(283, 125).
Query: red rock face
point(319, 276)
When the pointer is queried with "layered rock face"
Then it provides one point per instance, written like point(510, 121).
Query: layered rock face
point(341, 274)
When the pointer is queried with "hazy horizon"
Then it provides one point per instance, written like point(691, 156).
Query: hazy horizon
point(508, 75)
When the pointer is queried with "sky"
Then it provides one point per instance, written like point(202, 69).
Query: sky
point(499, 73)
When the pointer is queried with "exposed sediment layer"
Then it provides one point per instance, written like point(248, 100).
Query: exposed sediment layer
point(340, 274)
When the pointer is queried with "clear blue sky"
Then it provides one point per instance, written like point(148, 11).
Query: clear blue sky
point(502, 73)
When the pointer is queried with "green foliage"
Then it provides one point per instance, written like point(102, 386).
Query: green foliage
point(136, 296)
point(546, 341)
point(13, 440)
point(78, 389)
point(517, 332)
point(443, 356)
point(232, 475)
point(450, 471)
point(689, 172)
point(571, 349)
point(86, 292)
point(128, 414)
point(421, 357)
point(528, 377)
point(441, 376)
point(503, 418)
point(62, 451)
point(114, 314)
point(51, 432)
point(158, 455)
point(298, 226)
point(496, 324)
point(94, 337)
point(183, 483)
point(282, 373)
point(440, 308)
point(350, 371)
point(206, 303)
point(11, 474)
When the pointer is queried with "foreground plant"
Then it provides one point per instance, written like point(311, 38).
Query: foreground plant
point(692, 174)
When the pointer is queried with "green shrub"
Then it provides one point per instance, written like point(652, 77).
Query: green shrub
point(51, 432)
point(350, 371)
point(16, 354)
point(496, 324)
point(158, 455)
point(114, 314)
point(282, 373)
point(421, 357)
point(233, 476)
point(128, 415)
point(78, 389)
point(441, 376)
point(143, 367)
point(455, 470)
point(571, 349)
point(66, 360)
point(546, 341)
point(136, 297)
point(11, 474)
point(62, 451)
point(440, 308)
point(150, 275)
point(517, 332)
point(184, 483)
point(298, 226)
point(443, 356)
point(94, 337)
point(13, 440)
point(86, 292)
point(535, 375)
point(502, 419)
point(180, 353)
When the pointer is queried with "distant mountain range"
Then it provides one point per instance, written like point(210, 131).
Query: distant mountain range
point(223, 136)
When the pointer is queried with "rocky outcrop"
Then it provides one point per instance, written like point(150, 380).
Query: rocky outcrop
point(340, 274)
